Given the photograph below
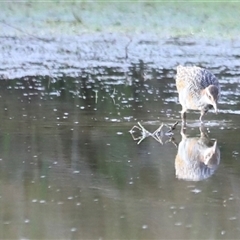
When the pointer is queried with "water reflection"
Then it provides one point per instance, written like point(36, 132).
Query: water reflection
point(69, 169)
point(197, 157)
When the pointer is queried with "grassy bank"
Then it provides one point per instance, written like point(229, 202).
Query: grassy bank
point(208, 19)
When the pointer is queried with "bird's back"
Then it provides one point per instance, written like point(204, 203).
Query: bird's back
point(190, 81)
point(197, 77)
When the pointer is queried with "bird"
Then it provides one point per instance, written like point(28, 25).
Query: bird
point(197, 157)
point(198, 89)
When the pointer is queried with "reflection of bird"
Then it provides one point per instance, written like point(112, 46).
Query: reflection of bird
point(198, 89)
point(197, 158)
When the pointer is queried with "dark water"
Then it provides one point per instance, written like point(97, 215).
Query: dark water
point(70, 169)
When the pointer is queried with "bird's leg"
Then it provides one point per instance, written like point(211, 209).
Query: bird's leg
point(203, 131)
point(203, 112)
point(183, 132)
point(183, 116)
point(201, 116)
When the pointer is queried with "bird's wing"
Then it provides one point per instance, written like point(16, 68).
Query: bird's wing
point(207, 78)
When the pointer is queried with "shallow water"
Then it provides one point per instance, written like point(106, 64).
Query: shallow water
point(71, 169)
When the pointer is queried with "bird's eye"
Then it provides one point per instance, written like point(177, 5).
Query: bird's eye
point(209, 96)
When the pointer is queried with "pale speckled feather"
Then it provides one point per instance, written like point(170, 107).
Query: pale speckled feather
point(190, 81)
point(199, 77)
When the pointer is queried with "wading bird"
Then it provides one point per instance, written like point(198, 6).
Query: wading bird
point(198, 89)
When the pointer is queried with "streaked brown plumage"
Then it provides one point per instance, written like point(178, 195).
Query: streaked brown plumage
point(197, 157)
point(198, 89)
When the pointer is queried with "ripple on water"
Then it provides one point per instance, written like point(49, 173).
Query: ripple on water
point(196, 190)
point(229, 111)
point(144, 226)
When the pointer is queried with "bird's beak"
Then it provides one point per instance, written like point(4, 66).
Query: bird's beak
point(215, 108)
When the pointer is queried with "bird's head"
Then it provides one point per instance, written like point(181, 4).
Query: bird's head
point(212, 96)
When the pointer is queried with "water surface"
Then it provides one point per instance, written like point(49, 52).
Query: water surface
point(70, 169)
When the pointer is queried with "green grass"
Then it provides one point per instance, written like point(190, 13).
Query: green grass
point(209, 19)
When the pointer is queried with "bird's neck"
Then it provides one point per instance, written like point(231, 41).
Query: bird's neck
point(203, 98)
